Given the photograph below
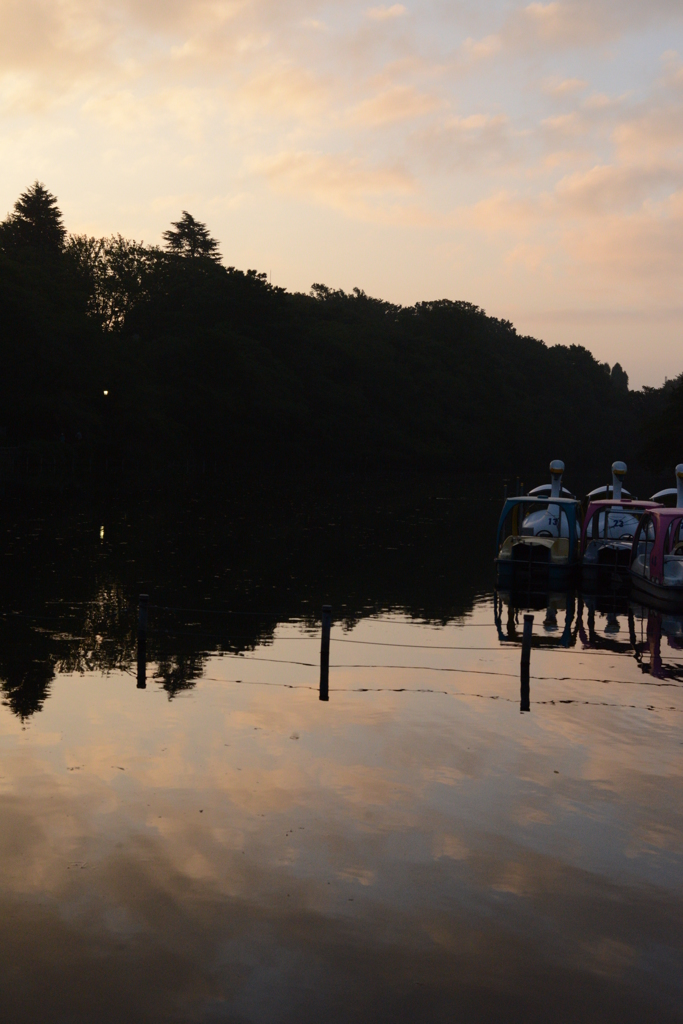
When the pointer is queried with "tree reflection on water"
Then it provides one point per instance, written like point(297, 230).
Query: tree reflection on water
point(222, 574)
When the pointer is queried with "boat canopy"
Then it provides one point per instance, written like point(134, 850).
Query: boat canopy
point(516, 507)
point(607, 521)
point(657, 553)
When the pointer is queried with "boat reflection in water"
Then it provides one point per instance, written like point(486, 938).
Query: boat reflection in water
point(509, 608)
point(629, 627)
point(609, 622)
point(617, 634)
point(659, 629)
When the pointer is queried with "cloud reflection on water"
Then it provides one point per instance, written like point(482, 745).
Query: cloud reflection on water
point(224, 846)
point(406, 851)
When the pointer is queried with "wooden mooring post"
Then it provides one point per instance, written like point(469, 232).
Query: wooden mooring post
point(143, 609)
point(325, 653)
point(524, 695)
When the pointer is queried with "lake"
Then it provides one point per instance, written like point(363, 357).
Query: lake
point(202, 839)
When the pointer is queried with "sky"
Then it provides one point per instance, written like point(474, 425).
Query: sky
point(526, 157)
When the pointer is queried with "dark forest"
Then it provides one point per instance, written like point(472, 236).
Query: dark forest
point(162, 355)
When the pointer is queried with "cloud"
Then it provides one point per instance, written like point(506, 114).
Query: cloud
point(480, 49)
point(567, 125)
point(398, 104)
point(600, 101)
point(386, 13)
point(546, 18)
point(641, 252)
point(673, 68)
point(571, 24)
point(286, 91)
point(36, 32)
point(339, 181)
point(504, 211)
point(531, 257)
point(649, 133)
point(119, 109)
point(484, 141)
point(564, 86)
point(606, 188)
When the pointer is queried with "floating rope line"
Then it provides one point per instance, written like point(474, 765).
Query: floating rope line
point(335, 640)
point(616, 682)
point(465, 671)
point(316, 639)
point(258, 682)
point(444, 693)
point(416, 668)
point(507, 645)
point(381, 643)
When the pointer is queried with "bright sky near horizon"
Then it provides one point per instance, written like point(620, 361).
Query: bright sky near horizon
point(527, 157)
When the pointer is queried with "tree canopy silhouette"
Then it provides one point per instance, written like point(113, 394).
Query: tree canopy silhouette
point(191, 239)
point(663, 428)
point(36, 223)
point(200, 361)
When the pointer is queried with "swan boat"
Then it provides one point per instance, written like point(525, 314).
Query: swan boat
point(609, 527)
point(657, 552)
point(537, 541)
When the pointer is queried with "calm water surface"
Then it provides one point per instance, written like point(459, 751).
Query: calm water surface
point(223, 846)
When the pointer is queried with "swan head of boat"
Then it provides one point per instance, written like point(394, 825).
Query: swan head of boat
point(548, 522)
point(670, 491)
point(556, 471)
point(618, 474)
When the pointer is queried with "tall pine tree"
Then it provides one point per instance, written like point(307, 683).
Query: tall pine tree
point(191, 239)
point(36, 224)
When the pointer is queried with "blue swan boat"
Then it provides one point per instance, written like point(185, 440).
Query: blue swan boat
point(537, 542)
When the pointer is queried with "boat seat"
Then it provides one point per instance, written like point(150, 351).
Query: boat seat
point(557, 547)
point(560, 549)
point(641, 566)
point(673, 568)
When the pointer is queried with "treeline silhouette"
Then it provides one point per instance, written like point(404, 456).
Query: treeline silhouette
point(162, 354)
